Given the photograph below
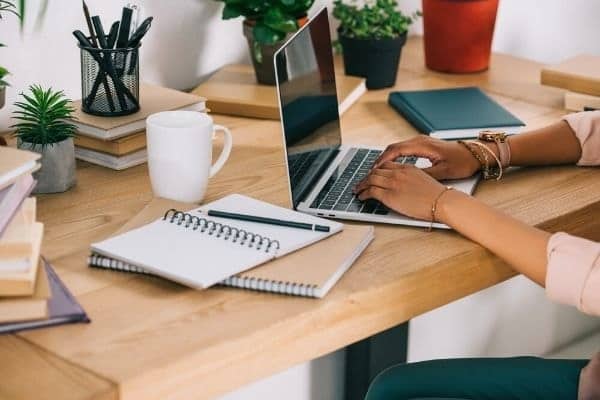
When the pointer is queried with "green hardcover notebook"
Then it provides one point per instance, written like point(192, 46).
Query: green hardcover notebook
point(457, 113)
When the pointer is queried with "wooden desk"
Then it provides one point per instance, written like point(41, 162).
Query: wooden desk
point(151, 339)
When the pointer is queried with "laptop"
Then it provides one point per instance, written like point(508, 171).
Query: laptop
point(322, 170)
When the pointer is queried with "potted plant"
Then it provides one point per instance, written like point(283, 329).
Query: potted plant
point(267, 24)
point(458, 34)
point(371, 38)
point(44, 126)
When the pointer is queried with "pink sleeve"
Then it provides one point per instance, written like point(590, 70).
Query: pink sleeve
point(573, 275)
point(586, 126)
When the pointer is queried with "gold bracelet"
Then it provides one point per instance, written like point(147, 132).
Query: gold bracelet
point(435, 205)
point(484, 162)
point(495, 173)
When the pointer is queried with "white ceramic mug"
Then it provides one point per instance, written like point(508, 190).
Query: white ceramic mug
point(180, 154)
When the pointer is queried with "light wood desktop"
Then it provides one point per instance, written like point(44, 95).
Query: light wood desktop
point(151, 339)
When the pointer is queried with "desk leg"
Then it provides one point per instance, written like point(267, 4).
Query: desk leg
point(367, 358)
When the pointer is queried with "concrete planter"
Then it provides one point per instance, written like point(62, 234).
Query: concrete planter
point(57, 173)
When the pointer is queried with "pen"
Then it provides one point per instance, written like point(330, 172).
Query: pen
point(88, 20)
point(112, 35)
point(125, 27)
point(135, 18)
point(140, 32)
point(270, 221)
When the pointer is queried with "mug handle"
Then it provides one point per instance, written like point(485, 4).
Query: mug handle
point(224, 153)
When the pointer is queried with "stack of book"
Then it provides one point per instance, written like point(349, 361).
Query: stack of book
point(31, 295)
point(120, 142)
point(24, 288)
point(580, 75)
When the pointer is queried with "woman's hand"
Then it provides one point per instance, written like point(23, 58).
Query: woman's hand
point(403, 188)
point(450, 160)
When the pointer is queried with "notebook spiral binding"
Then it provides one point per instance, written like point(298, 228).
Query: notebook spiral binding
point(265, 285)
point(245, 282)
point(227, 232)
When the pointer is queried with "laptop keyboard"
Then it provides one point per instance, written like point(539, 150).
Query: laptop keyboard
point(299, 164)
point(337, 193)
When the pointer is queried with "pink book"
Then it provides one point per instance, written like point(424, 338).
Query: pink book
point(12, 197)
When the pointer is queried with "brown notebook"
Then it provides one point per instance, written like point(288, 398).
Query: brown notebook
point(28, 308)
point(118, 147)
point(15, 163)
point(310, 272)
point(233, 91)
point(153, 99)
point(579, 74)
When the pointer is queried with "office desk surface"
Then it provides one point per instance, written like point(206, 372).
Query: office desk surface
point(151, 339)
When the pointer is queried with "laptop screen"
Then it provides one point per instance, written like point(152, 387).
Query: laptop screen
point(309, 104)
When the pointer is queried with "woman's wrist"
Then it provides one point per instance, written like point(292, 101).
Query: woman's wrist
point(451, 200)
point(492, 146)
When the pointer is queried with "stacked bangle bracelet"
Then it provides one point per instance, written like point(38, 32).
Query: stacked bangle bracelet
point(489, 172)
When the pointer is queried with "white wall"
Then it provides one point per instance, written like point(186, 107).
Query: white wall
point(188, 41)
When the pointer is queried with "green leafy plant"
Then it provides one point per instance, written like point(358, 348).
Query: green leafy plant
point(376, 19)
point(272, 19)
point(9, 7)
point(3, 73)
point(45, 117)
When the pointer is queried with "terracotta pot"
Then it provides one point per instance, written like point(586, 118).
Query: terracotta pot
point(458, 34)
point(263, 62)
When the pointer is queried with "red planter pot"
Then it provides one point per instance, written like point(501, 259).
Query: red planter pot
point(458, 34)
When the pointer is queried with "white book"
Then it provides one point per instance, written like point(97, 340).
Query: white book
point(117, 163)
point(200, 251)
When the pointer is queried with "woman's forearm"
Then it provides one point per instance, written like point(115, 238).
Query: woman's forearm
point(520, 245)
point(552, 145)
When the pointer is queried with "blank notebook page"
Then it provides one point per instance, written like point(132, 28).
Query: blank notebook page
point(198, 259)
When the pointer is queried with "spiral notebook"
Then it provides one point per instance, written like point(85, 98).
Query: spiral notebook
point(309, 272)
point(199, 251)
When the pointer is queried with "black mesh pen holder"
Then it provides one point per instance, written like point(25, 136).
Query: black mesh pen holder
point(110, 81)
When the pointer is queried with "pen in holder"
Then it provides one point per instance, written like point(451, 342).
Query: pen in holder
point(110, 81)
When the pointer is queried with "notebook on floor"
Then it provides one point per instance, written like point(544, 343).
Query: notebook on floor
point(456, 113)
point(199, 251)
point(295, 274)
